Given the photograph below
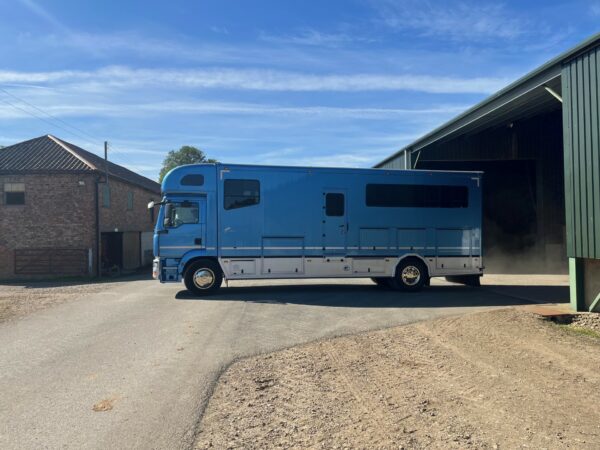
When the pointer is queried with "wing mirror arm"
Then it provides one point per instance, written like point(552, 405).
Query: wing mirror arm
point(152, 204)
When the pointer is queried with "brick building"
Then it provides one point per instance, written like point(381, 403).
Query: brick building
point(58, 216)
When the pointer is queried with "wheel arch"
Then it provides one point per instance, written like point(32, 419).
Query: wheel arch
point(193, 256)
point(414, 256)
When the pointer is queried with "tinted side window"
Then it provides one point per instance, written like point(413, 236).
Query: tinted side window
point(455, 197)
point(417, 196)
point(241, 193)
point(334, 204)
point(193, 180)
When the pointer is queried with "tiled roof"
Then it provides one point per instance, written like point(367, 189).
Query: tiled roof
point(113, 169)
point(39, 154)
point(51, 154)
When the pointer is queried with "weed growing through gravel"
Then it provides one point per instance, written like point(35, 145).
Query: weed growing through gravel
point(580, 331)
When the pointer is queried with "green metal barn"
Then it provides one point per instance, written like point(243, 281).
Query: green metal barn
point(537, 140)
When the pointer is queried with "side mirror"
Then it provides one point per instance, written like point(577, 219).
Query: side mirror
point(151, 204)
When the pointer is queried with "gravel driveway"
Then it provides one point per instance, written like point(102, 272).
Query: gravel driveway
point(501, 379)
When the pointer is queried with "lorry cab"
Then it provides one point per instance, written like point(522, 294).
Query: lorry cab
point(183, 230)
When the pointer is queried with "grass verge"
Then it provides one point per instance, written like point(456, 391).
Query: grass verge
point(580, 330)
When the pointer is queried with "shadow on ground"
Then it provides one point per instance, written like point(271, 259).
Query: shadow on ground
point(367, 296)
point(77, 281)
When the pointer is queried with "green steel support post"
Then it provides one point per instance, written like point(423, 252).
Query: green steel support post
point(576, 281)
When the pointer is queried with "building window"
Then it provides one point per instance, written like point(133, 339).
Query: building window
point(334, 205)
point(417, 196)
point(241, 193)
point(14, 193)
point(106, 196)
point(129, 201)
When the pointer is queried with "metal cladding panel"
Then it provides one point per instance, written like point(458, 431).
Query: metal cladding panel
point(396, 163)
point(581, 118)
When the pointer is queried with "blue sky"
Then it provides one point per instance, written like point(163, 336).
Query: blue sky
point(326, 82)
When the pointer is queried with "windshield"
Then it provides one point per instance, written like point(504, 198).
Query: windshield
point(179, 213)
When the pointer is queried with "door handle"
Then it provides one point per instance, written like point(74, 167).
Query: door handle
point(198, 241)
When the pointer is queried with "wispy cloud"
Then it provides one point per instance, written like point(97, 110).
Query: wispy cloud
point(90, 108)
point(455, 19)
point(259, 79)
point(595, 9)
point(314, 37)
point(359, 158)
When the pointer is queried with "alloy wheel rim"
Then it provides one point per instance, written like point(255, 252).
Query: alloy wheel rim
point(204, 278)
point(411, 275)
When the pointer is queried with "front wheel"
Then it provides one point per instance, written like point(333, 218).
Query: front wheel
point(411, 275)
point(203, 277)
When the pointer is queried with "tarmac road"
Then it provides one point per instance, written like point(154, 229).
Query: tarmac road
point(150, 354)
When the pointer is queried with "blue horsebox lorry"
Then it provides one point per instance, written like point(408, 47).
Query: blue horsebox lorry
point(239, 222)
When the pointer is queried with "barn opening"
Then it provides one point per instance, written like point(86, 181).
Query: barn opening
point(516, 139)
point(537, 140)
point(523, 187)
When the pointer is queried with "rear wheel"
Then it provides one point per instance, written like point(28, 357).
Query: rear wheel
point(411, 275)
point(203, 277)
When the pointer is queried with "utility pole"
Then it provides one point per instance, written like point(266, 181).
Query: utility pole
point(98, 221)
point(106, 161)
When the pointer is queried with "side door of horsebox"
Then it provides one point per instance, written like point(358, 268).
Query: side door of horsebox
point(335, 221)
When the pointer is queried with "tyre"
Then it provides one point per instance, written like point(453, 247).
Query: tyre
point(411, 275)
point(383, 282)
point(468, 280)
point(203, 277)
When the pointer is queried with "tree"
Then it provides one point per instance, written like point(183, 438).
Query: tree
point(185, 155)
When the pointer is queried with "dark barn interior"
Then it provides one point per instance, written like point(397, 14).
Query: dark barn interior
point(112, 250)
point(523, 187)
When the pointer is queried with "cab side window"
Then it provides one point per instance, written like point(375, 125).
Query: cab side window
point(181, 213)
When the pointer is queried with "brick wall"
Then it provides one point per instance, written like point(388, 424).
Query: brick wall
point(59, 212)
point(118, 216)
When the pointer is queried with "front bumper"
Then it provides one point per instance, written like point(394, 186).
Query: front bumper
point(155, 268)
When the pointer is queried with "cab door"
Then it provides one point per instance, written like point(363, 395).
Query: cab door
point(184, 226)
point(335, 223)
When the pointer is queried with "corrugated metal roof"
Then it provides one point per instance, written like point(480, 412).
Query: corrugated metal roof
point(525, 96)
point(51, 154)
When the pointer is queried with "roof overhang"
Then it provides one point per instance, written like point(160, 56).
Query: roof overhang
point(535, 93)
